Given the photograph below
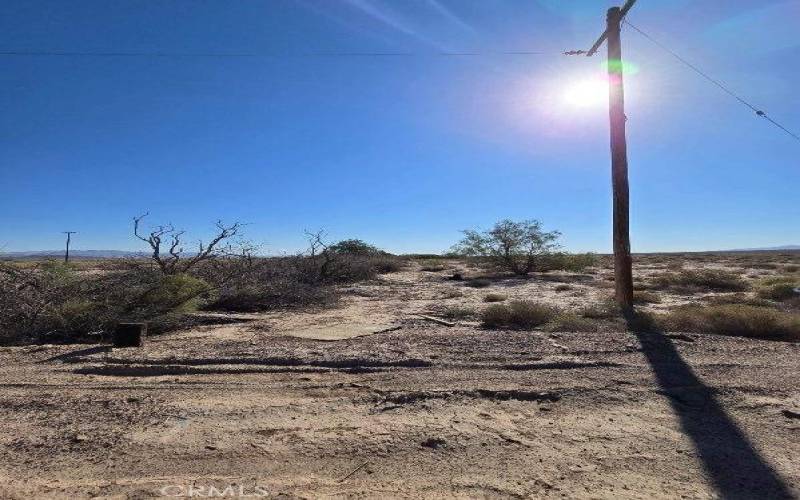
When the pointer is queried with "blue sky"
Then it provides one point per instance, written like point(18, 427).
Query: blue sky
point(402, 151)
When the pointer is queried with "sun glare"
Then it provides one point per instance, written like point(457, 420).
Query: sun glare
point(587, 94)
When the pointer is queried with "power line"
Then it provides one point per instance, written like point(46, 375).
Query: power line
point(716, 82)
point(49, 53)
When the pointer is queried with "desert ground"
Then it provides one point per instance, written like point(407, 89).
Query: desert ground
point(371, 398)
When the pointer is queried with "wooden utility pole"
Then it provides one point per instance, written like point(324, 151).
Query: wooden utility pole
point(69, 237)
point(623, 272)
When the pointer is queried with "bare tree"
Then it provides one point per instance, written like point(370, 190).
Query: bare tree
point(167, 249)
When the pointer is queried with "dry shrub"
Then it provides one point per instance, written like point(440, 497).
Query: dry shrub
point(779, 288)
point(432, 266)
point(496, 316)
point(478, 283)
point(453, 294)
point(791, 268)
point(764, 265)
point(737, 298)
point(523, 315)
point(644, 297)
point(458, 313)
point(700, 280)
point(495, 297)
point(779, 292)
point(735, 320)
point(276, 283)
point(571, 322)
point(563, 288)
point(606, 309)
point(577, 262)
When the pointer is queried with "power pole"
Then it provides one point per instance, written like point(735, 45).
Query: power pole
point(623, 272)
point(69, 237)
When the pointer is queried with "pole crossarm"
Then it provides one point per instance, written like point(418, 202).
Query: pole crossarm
point(624, 10)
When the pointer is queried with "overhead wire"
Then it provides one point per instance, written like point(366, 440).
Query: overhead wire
point(264, 55)
point(716, 82)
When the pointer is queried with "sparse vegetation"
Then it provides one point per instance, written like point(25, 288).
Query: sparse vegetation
point(735, 320)
point(432, 266)
point(645, 297)
point(560, 261)
point(478, 283)
point(453, 293)
point(779, 288)
point(571, 322)
point(458, 313)
point(700, 280)
point(53, 302)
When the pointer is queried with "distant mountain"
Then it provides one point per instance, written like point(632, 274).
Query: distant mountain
point(767, 249)
point(78, 254)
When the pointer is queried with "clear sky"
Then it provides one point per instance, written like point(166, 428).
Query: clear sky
point(401, 151)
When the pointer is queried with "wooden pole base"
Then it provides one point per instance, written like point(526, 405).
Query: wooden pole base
point(130, 334)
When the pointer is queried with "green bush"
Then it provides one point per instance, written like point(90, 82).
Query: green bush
point(173, 291)
point(354, 247)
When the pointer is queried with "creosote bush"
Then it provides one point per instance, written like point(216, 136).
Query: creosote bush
point(519, 247)
point(522, 315)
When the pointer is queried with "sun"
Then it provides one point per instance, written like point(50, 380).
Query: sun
point(586, 94)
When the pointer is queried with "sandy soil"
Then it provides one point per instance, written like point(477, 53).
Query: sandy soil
point(244, 408)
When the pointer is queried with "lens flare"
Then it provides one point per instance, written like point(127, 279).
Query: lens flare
point(618, 66)
point(587, 94)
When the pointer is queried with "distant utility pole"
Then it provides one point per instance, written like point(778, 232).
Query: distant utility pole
point(69, 237)
point(623, 273)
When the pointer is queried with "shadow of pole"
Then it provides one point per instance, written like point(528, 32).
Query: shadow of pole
point(732, 463)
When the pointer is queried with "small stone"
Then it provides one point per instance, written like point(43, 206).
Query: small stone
point(80, 438)
point(434, 443)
